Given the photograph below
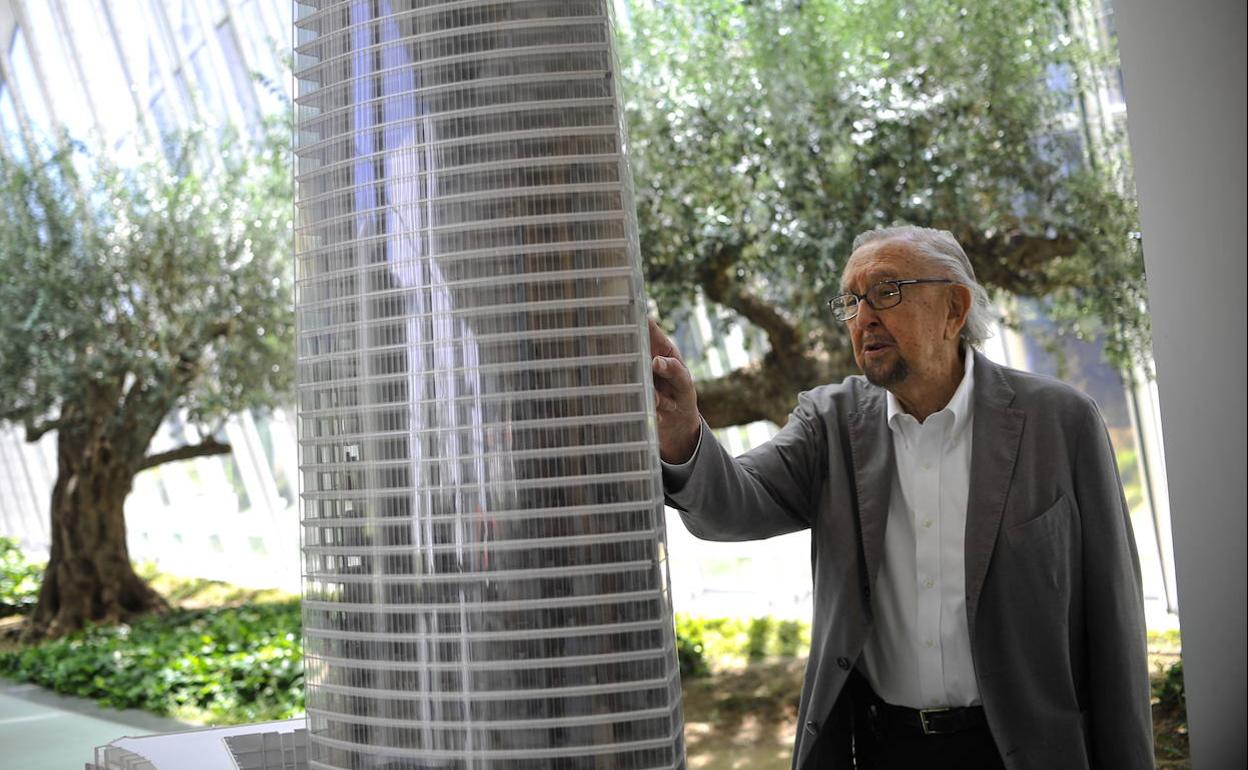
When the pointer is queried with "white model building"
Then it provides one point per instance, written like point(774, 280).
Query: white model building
point(485, 578)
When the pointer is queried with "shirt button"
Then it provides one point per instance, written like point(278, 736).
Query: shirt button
point(927, 466)
point(930, 643)
point(929, 583)
point(927, 524)
point(843, 663)
point(935, 701)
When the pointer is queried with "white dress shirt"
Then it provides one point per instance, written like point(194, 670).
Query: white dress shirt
point(919, 650)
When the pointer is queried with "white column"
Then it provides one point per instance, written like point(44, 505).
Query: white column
point(1184, 64)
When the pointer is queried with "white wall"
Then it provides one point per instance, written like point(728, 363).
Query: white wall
point(1184, 67)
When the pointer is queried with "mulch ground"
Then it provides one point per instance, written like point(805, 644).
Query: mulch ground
point(745, 717)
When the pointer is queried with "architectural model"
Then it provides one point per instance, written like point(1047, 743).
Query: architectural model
point(485, 578)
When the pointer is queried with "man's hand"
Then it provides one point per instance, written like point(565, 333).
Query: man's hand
point(675, 400)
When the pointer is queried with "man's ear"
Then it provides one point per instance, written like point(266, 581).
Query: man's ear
point(959, 309)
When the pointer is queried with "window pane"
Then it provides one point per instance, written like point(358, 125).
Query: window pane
point(166, 123)
point(69, 100)
point(244, 88)
point(260, 46)
point(213, 11)
point(211, 98)
point(9, 124)
point(285, 20)
point(185, 24)
point(137, 43)
point(93, 40)
point(183, 90)
point(27, 84)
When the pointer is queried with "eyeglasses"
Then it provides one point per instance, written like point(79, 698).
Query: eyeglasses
point(881, 296)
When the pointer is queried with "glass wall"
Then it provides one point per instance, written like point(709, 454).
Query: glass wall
point(119, 74)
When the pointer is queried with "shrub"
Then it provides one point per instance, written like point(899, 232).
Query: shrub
point(245, 664)
point(19, 579)
point(1168, 691)
point(792, 639)
point(756, 644)
point(704, 642)
point(222, 666)
point(690, 649)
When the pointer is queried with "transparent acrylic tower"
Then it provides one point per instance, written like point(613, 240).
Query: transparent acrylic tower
point(485, 577)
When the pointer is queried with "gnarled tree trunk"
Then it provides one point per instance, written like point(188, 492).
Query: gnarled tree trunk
point(89, 577)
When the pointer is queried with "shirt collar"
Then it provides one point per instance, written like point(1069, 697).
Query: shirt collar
point(959, 405)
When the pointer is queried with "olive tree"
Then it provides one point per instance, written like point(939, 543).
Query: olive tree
point(765, 135)
point(129, 295)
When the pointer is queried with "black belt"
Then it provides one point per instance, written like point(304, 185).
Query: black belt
point(936, 721)
point(940, 721)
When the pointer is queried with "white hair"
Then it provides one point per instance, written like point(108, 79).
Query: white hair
point(946, 254)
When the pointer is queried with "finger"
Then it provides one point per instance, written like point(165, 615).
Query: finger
point(673, 382)
point(668, 368)
point(675, 372)
point(660, 344)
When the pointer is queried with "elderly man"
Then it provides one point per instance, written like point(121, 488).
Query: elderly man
point(977, 599)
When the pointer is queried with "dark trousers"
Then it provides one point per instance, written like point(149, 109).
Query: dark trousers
point(881, 744)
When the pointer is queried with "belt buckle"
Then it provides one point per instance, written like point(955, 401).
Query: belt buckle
point(927, 728)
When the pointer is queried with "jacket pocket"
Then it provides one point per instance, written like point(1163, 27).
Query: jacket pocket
point(1037, 566)
point(1048, 524)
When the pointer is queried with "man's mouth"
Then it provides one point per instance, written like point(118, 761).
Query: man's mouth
point(874, 347)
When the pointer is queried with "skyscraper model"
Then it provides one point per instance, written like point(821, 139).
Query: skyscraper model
point(485, 573)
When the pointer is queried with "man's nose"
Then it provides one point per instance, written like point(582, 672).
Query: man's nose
point(866, 316)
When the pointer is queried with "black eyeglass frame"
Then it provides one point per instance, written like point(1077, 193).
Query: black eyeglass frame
point(859, 298)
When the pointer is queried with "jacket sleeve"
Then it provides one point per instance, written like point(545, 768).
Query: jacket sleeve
point(1119, 712)
point(767, 491)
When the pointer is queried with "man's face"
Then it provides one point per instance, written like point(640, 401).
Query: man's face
point(892, 346)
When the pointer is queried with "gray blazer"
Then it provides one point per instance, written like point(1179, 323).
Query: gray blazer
point(1053, 594)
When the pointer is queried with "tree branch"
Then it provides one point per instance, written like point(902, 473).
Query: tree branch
point(34, 431)
point(209, 447)
point(1014, 260)
point(719, 282)
point(767, 389)
point(737, 398)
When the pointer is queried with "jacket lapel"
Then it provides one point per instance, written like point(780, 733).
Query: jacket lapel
point(995, 437)
point(871, 450)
